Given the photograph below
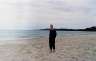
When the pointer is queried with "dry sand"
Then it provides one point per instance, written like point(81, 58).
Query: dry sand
point(81, 48)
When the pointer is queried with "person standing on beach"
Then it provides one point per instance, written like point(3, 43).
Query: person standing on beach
point(52, 36)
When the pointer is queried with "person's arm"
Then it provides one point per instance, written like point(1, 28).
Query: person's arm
point(56, 33)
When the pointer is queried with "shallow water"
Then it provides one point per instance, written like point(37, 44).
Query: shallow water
point(16, 34)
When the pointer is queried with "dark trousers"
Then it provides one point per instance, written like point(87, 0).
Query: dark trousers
point(52, 43)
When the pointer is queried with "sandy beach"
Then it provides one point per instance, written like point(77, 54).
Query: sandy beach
point(81, 48)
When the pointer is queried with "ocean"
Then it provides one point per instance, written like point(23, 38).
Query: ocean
point(29, 34)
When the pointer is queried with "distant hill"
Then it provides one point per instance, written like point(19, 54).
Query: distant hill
point(86, 29)
point(91, 29)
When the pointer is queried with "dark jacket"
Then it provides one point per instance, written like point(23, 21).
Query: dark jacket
point(52, 33)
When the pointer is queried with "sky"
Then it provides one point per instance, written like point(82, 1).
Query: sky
point(36, 14)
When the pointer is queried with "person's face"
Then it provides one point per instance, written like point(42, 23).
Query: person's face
point(51, 26)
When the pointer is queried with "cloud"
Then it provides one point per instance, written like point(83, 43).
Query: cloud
point(7, 14)
point(26, 14)
point(66, 12)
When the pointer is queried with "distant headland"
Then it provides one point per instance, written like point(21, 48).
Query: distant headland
point(63, 29)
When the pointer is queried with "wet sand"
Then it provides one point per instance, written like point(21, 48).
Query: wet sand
point(81, 48)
